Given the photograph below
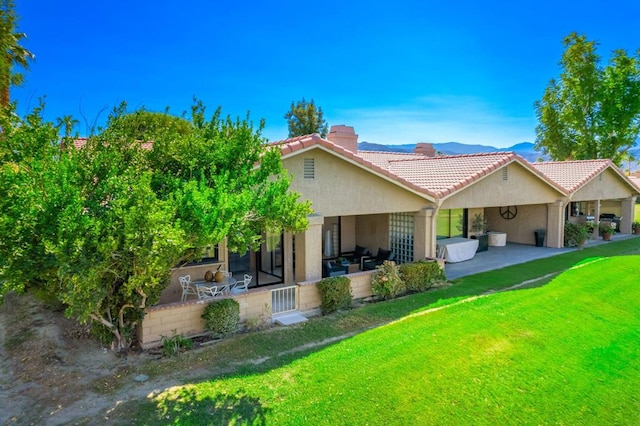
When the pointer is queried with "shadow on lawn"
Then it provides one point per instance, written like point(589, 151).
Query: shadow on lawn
point(186, 406)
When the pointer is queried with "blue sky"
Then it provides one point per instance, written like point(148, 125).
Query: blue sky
point(399, 72)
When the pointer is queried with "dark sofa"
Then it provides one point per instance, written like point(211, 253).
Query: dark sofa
point(381, 256)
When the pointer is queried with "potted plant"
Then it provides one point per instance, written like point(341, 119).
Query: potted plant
point(606, 229)
point(575, 234)
point(478, 227)
point(540, 234)
point(636, 227)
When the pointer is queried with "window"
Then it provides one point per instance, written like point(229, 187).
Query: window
point(579, 208)
point(450, 223)
point(209, 255)
point(401, 236)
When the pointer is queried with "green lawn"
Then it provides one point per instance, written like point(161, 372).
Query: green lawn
point(565, 353)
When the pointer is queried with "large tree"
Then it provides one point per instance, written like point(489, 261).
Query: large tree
point(591, 111)
point(101, 227)
point(304, 118)
point(12, 54)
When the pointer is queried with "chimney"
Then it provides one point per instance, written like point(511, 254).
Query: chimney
point(344, 136)
point(425, 149)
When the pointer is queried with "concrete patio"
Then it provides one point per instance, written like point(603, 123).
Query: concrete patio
point(512, 254)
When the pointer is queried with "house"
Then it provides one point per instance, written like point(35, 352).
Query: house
point(404, 202)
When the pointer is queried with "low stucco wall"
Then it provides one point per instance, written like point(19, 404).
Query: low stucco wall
point(185, 318)
point(309, 296)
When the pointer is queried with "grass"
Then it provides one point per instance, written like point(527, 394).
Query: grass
point(561, 353)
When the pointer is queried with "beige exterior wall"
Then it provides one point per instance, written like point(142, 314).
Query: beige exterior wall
point(344, 189)
point(608, 185)
point(348, 233)
point(521, 187)
point(372, 232)
point(519, 229)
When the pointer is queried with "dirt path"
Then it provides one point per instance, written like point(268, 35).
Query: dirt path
point(52, 373)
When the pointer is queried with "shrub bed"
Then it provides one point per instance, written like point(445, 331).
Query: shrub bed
point(387, 282)
point(335, 294)
point(421, 276)
point(222, 316)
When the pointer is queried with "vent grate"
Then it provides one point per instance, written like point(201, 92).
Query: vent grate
point(309, 168)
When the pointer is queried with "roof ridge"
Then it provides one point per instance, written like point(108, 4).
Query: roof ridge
point(387, 152)
point(592, 160)
point(294, 139)
point(418, 157)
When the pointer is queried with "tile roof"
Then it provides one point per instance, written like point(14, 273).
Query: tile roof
point(437, 176)
point(382, 159)
point(446, 174)
point(293, 145)
point(572, 175)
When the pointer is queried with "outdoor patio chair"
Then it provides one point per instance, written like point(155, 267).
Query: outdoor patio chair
point(357, 255)
point(187, 288)
point(333, 269)
point(381, 256)
point(208, 291)
point(242, 286)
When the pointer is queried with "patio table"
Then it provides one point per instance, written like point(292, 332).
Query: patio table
point(224, 286)
point(457, 249)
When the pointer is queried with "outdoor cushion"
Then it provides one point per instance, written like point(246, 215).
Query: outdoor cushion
point(383, 255)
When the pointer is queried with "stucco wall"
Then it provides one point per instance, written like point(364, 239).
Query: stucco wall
point(348, 233)
point(344, 189)
point(520, 187)
point(309, 296)
point(372, 232)
point(520, 228)
point(185, 318)
point(606, 186)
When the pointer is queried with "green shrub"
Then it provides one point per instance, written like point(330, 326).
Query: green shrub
point(172, 346)
point(575, 234)
point(386, 281)
point(335, 294)
point(421, 276)
point(222, 316)
point(101, 333)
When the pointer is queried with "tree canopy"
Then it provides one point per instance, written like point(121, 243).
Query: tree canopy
point(304, 118)
point(12, 54)
point(100, 227)
point(591, 111)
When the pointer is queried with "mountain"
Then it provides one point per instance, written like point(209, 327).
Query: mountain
point(524, 149)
